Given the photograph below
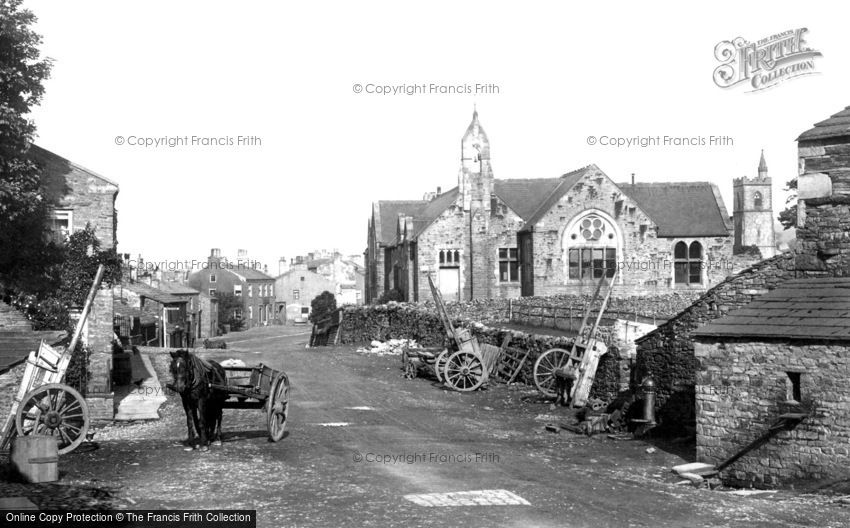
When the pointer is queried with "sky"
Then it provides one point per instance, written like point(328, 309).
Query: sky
point(286, 74)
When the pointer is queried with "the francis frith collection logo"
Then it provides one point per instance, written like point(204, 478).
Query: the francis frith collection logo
point(766, 62)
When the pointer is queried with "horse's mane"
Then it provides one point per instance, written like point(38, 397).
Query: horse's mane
point(204, 372)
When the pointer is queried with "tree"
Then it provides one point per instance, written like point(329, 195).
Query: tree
point(25, 252)
point(230, 310)
point(67, 283)
point(322, 306)
point(788, 216)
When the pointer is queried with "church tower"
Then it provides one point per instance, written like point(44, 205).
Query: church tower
point(475, 180)
point(752, 213)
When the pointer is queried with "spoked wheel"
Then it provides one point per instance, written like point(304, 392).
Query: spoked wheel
point(278, 408)
point(440, 364)
point(545, 367)
point(464, 371)
point(54, 410)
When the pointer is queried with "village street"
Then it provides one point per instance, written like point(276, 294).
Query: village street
point(349, 409)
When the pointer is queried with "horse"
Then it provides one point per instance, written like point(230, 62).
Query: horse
point(202, 404)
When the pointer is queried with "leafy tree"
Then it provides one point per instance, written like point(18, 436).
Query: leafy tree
point(322, 306)
point(788, 216)
point(24, 250)
point(68, 283)
point(230, 310)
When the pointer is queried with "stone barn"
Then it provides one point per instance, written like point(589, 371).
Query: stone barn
point(783, 362)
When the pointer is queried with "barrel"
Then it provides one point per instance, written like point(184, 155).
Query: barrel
point(36, 458)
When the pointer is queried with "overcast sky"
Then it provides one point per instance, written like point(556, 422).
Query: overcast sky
point(285, 72)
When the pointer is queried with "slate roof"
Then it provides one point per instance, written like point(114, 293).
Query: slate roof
point(566, 182)
point(811, 309)
point(249, 273)
point(388, 211)
point(152, 293)
point(837, 125)
point(689, 209)
point(145, 318)
point(177, 288)
point(433, 210)
point(524, 196)
point(16, 346)
point(681, 209)
point(55, 165)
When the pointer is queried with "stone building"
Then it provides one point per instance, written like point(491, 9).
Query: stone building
point(787, 352)
point(492, 238)
point(823, 192)
point(254, 287)
point(344, 272)
point(823, 250)
point(136, 302)
point(78, 196)
point(296, 289)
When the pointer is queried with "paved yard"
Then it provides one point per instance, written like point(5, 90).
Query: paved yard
point(361, 439)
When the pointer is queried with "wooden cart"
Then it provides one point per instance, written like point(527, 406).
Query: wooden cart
point(43, 405)
point(579, 363)
point(259, 387)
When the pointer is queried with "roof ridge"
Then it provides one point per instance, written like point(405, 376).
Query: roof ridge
point(648, 184)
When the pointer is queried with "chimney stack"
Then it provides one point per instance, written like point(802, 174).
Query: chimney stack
point(633, 178)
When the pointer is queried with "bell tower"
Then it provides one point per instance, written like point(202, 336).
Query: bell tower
point(475, 180)
point(752, 213)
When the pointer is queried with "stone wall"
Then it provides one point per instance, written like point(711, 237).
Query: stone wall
point(406, 321)
point(667, 354)
point(209, 316)
point(99, 339)
point(741, 389)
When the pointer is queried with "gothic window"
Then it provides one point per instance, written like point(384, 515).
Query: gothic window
point(757, 200)
point(688, 263)
point(508, 265)
point(592, 252)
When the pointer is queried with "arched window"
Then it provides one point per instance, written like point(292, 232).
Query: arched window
point(757, 200)
point(449, 258)
point(688, 263)
point(592, 248)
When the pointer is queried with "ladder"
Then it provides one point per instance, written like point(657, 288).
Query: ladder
point(586, 350)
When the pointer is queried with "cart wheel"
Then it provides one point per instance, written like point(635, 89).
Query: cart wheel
point(464, 371)
point(55, 410)
point(545, 367)
point(278, 407)
point(440, 364)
